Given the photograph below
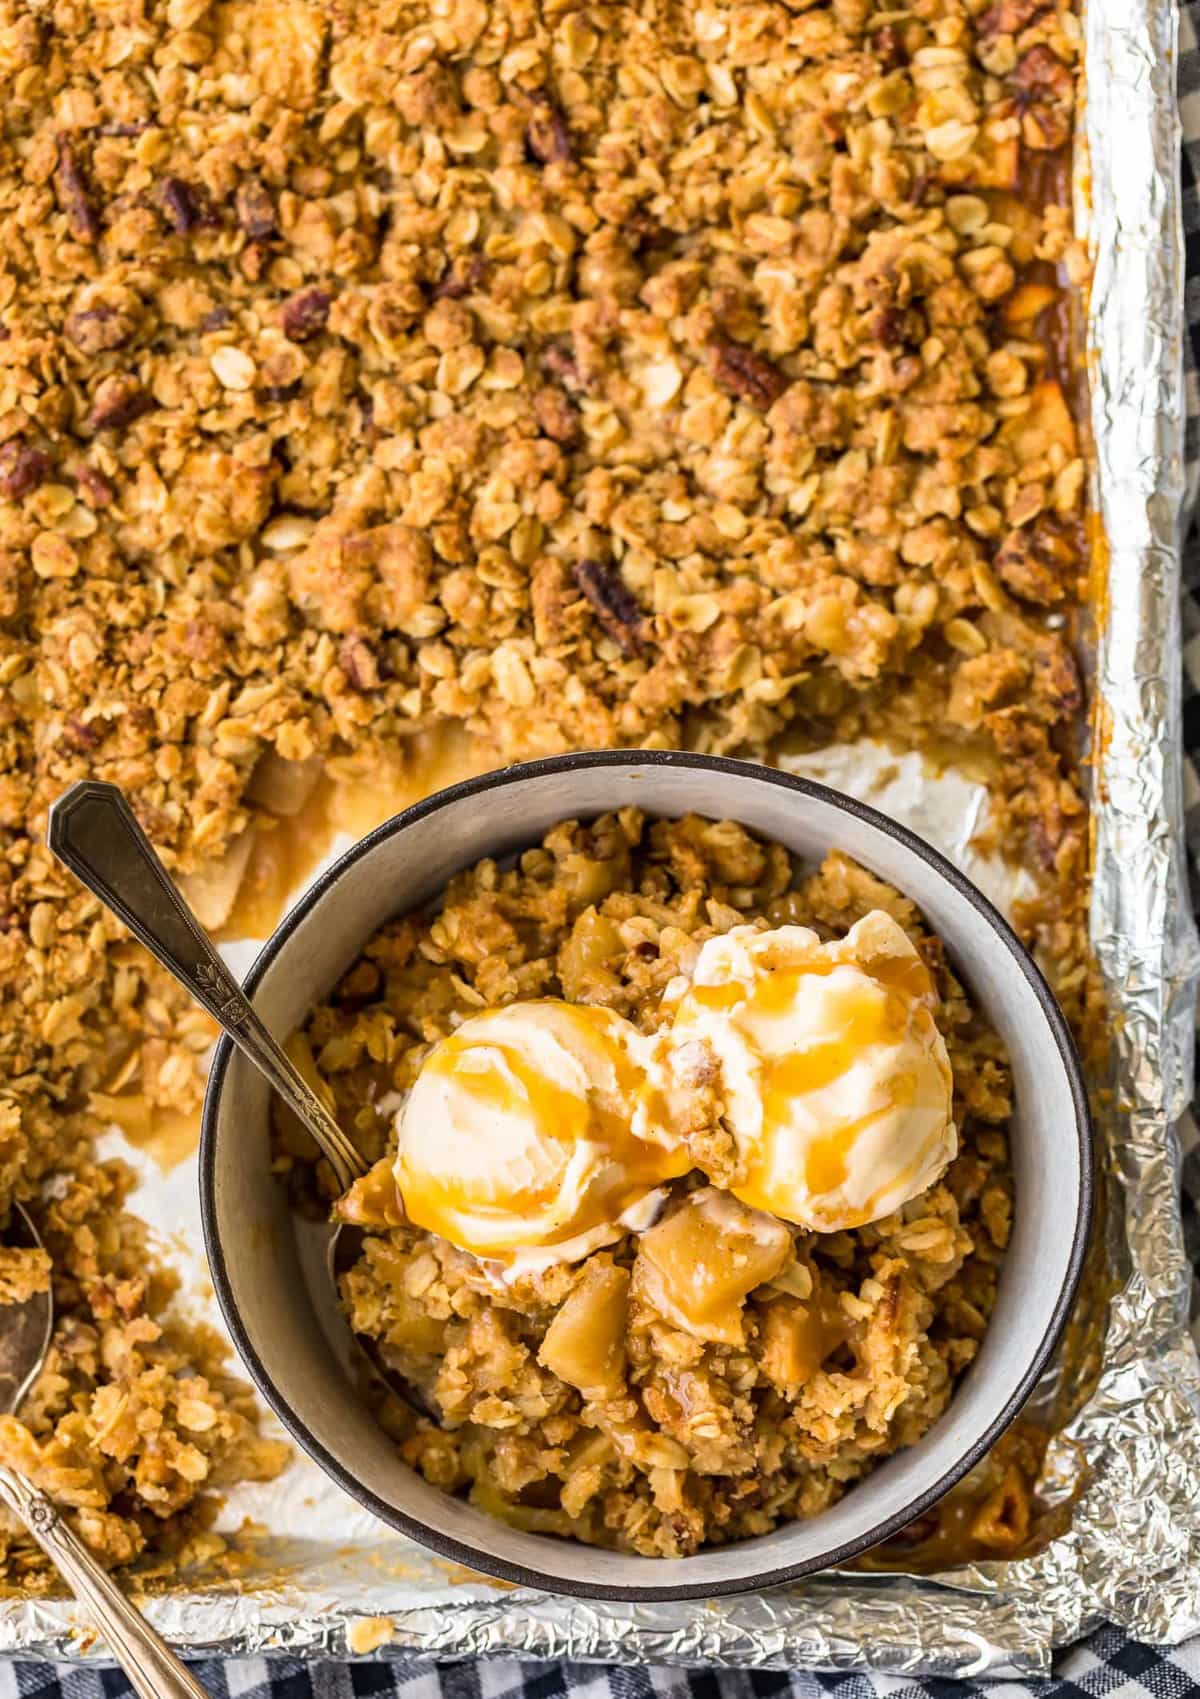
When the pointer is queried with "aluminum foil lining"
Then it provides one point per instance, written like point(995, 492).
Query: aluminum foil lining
point(321, 1577)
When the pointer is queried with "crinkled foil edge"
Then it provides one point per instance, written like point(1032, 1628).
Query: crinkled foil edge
point(1132, 1554)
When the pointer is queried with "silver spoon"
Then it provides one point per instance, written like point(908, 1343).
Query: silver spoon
point(153, 1669)
point(93, 831)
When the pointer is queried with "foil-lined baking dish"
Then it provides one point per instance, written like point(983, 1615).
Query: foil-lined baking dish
point(320, 1576)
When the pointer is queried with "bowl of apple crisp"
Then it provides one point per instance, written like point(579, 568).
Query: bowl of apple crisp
point(728, 1175)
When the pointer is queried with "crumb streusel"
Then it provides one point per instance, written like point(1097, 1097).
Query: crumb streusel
point(572, 1401)
point(613, 373)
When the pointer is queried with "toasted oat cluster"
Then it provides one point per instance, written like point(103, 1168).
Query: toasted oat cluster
point(595, 374)
point(574, 1401)
point(625, 372)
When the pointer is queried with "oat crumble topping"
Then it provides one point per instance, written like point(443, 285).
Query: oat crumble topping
point(619, 373)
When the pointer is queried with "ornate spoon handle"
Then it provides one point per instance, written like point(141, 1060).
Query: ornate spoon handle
point(152, 1667)
point(92, 831)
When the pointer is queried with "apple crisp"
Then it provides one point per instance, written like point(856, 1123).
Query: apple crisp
point(585, 374)
point(604, 1399)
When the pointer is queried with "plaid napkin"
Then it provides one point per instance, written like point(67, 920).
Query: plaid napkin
point(1107, 1666)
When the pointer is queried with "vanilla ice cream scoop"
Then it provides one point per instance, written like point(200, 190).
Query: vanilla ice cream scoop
point(540, 1126)
point(835, 1081)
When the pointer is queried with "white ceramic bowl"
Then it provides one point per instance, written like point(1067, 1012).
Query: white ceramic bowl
point(285, 1321)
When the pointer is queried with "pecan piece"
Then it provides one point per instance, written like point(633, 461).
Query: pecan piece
point(1056, 683)
point(559, 362)
point(888, 47)
point(887, 326)
point(74, 196)
point(22, 469)
point(898, 327)
point(547, 135)
point(922, 186)
point(255, 209)
point(1038, 561)
point(557, 415)
point(461, 276)
point(751, 377)
point(179, 205)
point(302, 316)
point(94, 330)
point(119, 401)
point(97, 491)
point(80, 735)
point(642, 230)
point(614, 606)
point(357, 660)
point(1009, 17)
point(1044, 91)
point(253, 260)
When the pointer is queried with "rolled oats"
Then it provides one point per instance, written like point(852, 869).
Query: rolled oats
point(752, 316)
point(233, 368)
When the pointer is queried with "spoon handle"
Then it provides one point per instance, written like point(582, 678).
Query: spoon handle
point(93, 831)
point(153, 1669)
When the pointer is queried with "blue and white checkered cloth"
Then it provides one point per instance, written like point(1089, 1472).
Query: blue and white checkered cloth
point(1107, 1666)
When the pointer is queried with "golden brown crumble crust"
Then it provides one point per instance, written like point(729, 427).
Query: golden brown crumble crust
point(574, 1402)
point(618, 373)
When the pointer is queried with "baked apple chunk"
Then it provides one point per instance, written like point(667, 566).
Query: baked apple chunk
point(701, 1262)
point(585, 1343)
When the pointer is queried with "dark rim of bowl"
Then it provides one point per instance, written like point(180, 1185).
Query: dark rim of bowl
point(482, 1560)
